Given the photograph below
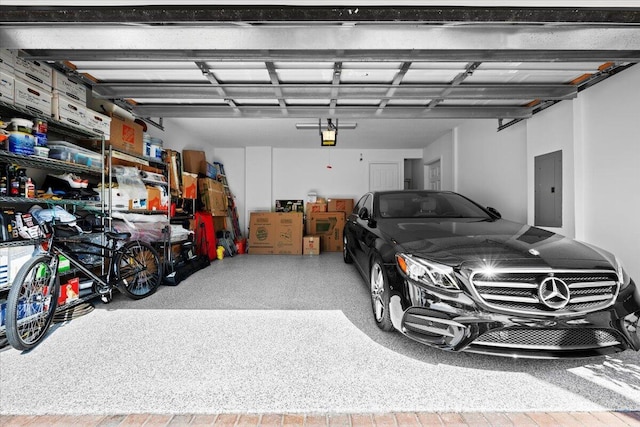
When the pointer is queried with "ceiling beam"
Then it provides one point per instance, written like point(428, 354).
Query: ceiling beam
point(160, 14)
point(350, 112)
point(574, 54)
point(326, 91)
point(119, 42)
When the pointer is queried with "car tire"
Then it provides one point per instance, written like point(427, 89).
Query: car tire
point(346, 256)
point(379, 291)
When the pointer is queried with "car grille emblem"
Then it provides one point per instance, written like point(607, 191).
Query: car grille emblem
point(554, 293)
point(534, 252)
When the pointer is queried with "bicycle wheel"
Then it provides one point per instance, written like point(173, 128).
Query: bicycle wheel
point(137, 269)
point(32, 302)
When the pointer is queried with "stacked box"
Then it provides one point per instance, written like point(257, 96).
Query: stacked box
point(213, 197)
point(34, 73)
point(68, 110)
point(7, 75)
point(275, 233)
point(340, 205)
point(125, 135)
point(33, 98)
point(311, 245)
point(316, 207)
point(329, 226)
point(70, 89)
point(98, 123)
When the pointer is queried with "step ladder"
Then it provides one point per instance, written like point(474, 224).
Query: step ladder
point(232, 213)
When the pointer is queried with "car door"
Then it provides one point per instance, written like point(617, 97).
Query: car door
point(363, 233)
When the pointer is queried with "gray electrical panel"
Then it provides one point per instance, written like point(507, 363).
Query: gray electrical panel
point(548, 189)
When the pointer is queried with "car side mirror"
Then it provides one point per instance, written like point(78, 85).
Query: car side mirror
point(363, 213)
point(494, 212)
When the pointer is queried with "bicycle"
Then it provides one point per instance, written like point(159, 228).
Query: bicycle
point(134, 268)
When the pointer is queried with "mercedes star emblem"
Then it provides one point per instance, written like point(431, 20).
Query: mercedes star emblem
point(554, 293)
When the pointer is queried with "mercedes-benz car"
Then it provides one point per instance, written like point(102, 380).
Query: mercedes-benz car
point(448, 272)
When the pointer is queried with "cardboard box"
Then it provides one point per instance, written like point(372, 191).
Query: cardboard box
point(189, 185)
point(289, 206)
point(68, 110)
point(34, 72)
point(311, 245)
point(98, 123)
point(137, 204)
point(275, 233)
point(33, 98)
point(69, 291)
point(329, 226)
point(316, 207)
point(194, 161)
point(213, 197)
point(340, 205)
point(64, 86)
point(156, 200)
point(125, 135)
point(7, 87)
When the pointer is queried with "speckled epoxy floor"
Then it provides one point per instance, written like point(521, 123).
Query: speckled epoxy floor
point(282, 334)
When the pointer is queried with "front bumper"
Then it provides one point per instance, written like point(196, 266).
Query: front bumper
point(457, 323)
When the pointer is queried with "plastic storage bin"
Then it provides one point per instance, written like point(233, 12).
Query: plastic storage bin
point(21, 143)
point(63, 150)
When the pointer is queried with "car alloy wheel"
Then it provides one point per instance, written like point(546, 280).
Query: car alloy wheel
point(380, 296)
point(346, 256)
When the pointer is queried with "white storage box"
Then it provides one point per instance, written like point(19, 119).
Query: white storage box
point(7, 87)
point(68, 110)
point(33, 98)
point(73, 90)
point(7, 60)
point(119, 199)
point(35, 72)
point(98, 123)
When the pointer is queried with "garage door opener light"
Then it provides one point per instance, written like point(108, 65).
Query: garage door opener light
point(329, 136)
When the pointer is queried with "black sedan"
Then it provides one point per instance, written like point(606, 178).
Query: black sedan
point(452, 274)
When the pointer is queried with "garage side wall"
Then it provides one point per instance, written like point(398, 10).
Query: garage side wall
point(611, 173)
point(549, 131)
point(490, 166)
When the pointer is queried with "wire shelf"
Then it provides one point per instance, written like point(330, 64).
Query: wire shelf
point(46, 163)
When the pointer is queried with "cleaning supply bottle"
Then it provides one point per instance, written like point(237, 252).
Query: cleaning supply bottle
point(29, 189)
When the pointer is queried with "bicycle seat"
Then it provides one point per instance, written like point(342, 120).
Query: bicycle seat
point(117, 236)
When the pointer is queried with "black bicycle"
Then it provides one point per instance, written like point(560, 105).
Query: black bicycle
point(132, 267)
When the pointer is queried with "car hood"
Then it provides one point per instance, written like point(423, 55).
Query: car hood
point(475, 242)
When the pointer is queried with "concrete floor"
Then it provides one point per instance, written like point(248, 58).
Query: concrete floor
point(283, 335)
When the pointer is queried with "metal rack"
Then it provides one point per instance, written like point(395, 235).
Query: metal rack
point(48, 164)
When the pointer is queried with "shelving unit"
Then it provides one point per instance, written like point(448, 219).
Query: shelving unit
point(54, 165)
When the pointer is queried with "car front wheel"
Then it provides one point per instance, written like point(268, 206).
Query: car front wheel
point(380, 296)
point(346, 256)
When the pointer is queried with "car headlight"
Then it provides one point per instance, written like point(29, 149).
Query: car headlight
point(427, 272)
point(623, 277)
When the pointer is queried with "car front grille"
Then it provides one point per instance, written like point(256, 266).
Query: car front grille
point(519, 292)
point(569, 339)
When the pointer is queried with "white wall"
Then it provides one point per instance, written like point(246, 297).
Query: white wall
point(490, 166)
point(610, 179)
point(548, 131)
point(441, 149)
point(296, 172)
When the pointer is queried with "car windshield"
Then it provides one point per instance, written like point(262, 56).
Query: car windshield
point(410, 204)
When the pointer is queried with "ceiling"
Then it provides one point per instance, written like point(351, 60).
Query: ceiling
point(245, 75)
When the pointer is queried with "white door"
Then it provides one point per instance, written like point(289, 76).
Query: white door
point(433, 176)
point(383, 176)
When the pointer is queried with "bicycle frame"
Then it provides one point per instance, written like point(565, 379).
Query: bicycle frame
point(56, 246)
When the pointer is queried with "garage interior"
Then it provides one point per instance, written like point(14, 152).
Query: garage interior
point(481, 92)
